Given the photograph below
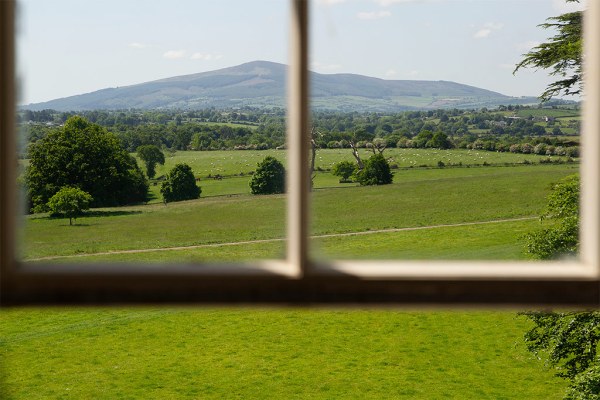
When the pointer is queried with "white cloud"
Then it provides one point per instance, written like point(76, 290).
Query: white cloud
point(390, 73)
point(487, 29)
point(174, 54)
point(373, 15)
point(138, 45)
point(206, 57)
point(482, 33)
point(413, 73)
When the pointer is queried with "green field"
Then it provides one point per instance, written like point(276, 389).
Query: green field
point(279, 354)
point(461, 213)
point(460, 195)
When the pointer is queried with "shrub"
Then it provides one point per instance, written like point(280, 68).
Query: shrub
point(376, 172)
point(344, 169)
point(180, 184)
point(269, 177)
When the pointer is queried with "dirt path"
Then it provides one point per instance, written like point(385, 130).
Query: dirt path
point(201, 246)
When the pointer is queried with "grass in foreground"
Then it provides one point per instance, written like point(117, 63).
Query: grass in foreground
point(250, 353)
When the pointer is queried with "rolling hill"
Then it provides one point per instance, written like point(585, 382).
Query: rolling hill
point(262, 84)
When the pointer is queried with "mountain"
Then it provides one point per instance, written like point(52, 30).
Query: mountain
point(262, 84)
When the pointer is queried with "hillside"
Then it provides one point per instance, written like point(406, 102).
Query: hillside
point(262, 84)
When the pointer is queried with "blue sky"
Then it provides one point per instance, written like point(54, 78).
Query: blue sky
point(68, 47)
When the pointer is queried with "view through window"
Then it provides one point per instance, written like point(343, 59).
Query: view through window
point(193, 91)
point(426, 144)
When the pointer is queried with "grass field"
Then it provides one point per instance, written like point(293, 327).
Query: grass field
point(290, 353)
point(461, 195)
point(278, 354)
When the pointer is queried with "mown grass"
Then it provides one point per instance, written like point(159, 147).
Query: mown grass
point(419, 198)
point(258, 353)
point(495, 241)
point(254, 353)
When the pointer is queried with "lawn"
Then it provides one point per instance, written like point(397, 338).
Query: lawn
point(246, 353)
point(268, 353)
point(418, 198)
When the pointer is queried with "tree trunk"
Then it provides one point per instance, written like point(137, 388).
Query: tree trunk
point(359, 162)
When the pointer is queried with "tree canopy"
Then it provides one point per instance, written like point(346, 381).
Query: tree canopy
point(151, 155)
point(70, 202)
point(180, 184)
point(269, 177)
point(562, 237)
point(84, 155)
point(376, 171)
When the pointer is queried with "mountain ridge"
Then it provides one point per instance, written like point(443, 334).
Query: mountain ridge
point(262, 84)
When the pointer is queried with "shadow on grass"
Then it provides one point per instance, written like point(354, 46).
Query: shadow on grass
point(112, 213)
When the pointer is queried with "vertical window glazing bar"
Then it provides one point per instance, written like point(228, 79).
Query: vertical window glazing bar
point(298, 125)
point(590, 139)
point(8, 157)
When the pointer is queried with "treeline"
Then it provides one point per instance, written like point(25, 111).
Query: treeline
point(516, 129)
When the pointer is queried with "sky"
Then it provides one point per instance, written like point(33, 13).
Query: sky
point(69, 47)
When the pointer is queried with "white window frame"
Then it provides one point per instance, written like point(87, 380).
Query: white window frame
point(298, 279)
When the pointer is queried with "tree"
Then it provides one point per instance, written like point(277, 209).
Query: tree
point(562, 54)
point(376, 172)
point(562, 237)
point(344, 169)
point(269, 177)
point(568, 339)
point(70, 202)
point(84, 155)
point(180, 184)
point(151, 155)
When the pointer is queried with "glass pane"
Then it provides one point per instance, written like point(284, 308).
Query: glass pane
point(427, 90)
point(139, 104)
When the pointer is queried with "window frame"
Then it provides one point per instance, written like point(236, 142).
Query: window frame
point(298, 279)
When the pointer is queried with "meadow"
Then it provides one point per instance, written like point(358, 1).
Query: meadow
point(462, 213)
point(268, 353)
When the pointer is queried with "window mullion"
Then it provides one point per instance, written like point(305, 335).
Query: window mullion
point(590, 140)
point(298, 126)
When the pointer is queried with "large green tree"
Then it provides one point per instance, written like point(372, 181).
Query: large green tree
point(568, 340)
point(151, 155)
point(84, 155)
point(180, 184)
point(269, 177)
point(561, 54)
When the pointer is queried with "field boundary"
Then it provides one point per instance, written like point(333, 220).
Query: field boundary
point(273, 240)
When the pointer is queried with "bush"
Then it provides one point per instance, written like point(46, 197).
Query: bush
point(344, 169)
point(269, 177)
point(376, 172)
point(180, 184)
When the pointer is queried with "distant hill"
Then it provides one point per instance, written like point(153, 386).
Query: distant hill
point(262, 84)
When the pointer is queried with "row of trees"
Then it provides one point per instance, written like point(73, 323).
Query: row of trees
point(460, 127)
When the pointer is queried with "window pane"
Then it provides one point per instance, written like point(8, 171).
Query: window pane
point(427, 88)
point(195, 83)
